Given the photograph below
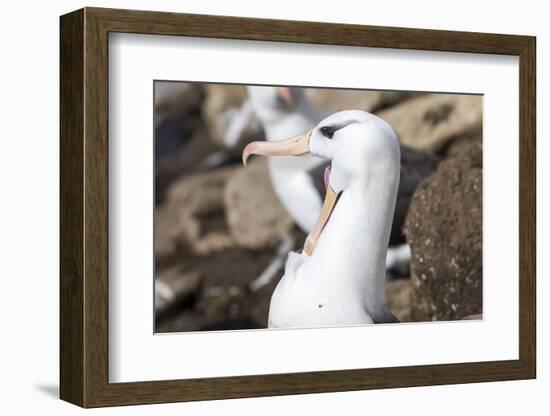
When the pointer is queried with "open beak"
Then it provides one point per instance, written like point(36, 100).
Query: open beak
point(331, 197)
point(295, 146)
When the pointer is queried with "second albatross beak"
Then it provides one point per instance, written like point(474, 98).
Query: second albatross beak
point(296, 146)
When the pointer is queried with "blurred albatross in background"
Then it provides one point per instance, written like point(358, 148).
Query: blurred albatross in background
point(338, 279)
point(284, 112)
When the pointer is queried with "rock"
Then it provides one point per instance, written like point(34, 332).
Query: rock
point(179, 135)
point(444, 229)
point(415, 167)
point(194, 215)
point(166, 234)
point(464, 143)
point(398, 298)
point(175, 287)
point(333, 100)
point(176, 99)
point(473, 317)
point(428, 122)
point(177, 107)
point(255, 216)
point(223, 103)
point(392, 98)
point(186, 158)
point(474, 152)
point(192, 236)
point(224, 301)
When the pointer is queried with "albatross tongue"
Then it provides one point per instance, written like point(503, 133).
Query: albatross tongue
point(326, 176)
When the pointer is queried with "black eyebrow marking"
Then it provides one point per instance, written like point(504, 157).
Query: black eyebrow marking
point(328, 131)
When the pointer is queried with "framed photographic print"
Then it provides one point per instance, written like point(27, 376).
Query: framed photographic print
point(256, 207)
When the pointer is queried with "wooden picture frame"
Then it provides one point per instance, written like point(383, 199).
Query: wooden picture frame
point(84, 207)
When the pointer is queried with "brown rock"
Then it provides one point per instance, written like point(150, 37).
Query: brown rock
point(183, 159)
point(444, 229)
point(255, 216)
point(333, 100)
point(415, 167)
point(476, 317)
point(464, 144)
point(194, 215)
point(224, 301)
point(391, 98)
point(428, 122)
point(167, 235)
point(222, 104)
point(174, 287)
point(398, 298)
point(176, 99)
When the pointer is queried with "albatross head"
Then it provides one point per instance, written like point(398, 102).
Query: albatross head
point(272, 103)
point(267, 96)
point(358, 144)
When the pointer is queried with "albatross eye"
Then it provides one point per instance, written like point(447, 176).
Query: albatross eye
point(328, 131)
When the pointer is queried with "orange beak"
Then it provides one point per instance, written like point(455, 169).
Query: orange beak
point(331, 197)
point(295, 146)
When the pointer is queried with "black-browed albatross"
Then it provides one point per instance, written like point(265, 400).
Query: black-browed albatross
point(338, 279)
